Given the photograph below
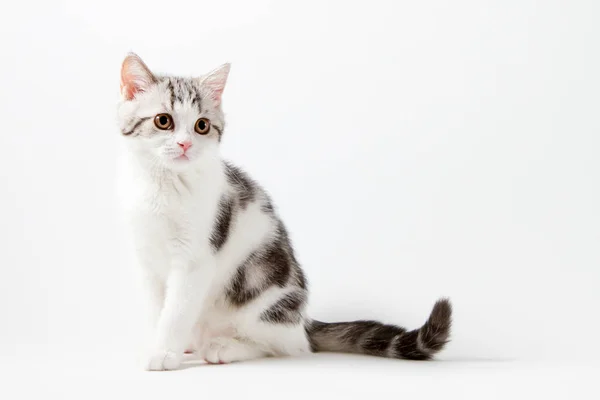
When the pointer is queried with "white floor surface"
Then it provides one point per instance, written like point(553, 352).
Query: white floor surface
point(317, 376)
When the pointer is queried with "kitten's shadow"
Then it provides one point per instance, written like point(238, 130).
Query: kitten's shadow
point(191, 361)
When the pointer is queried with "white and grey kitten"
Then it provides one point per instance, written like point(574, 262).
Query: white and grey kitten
point(219, 270)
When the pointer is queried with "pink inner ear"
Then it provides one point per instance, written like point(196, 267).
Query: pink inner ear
point(128, 90)
point(135, 77)
point(130, 86)
point(216, 95)
point(216, 81)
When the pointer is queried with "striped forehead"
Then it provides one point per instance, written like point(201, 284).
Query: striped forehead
point(184, 91)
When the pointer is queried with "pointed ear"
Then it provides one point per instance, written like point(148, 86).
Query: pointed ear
point(215, 82)
point(135, 76)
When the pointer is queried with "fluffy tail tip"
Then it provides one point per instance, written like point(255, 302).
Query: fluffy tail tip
point(436, 332)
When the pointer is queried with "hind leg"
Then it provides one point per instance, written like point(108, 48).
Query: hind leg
point(225, 350)
point(281, 339)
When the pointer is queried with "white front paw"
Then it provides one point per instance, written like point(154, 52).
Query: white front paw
point(163, 360)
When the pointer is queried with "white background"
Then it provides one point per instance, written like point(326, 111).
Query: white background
point(416, 149)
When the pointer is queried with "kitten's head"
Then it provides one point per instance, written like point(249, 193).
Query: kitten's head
point(176, 122)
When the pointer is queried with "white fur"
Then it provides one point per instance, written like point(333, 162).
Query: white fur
point(185, 282)
point(172, 207)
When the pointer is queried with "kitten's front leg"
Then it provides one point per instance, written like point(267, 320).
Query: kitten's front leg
point(186, 291)
point(151, 296)
point(154, 296)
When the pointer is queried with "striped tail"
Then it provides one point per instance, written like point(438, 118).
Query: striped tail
point(377, 339)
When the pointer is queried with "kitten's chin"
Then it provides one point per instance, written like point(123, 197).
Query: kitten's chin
point(182, 157)
point(180, 163)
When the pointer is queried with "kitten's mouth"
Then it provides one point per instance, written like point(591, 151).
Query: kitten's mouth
point(182, 157)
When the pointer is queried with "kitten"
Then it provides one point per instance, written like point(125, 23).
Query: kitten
point(219, 271)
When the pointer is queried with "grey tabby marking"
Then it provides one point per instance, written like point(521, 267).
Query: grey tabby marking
point(172, 92)
point(221, 227)
point(274, 262)
point(381, 338)
point(183, 89)
point(286, 310)
point(267, 207)
point(238, 294)
point(375, 338)
point(137, 124)
point(270, 261)
point(219, 131)
point(245, 187)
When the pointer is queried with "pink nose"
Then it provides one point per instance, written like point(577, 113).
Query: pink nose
point(185, 145)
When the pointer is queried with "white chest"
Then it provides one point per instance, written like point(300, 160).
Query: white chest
point(172, 219)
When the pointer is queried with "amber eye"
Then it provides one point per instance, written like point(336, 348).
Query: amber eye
point(163, 121)
point(202, 126)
